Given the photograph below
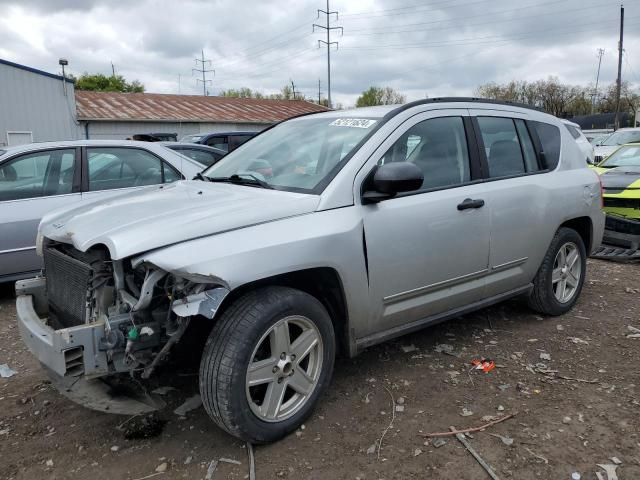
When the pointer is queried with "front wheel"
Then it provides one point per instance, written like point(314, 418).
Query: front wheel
point(559, 280)
point(266, 362)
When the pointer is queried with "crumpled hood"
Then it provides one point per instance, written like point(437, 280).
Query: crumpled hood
point(137, 222)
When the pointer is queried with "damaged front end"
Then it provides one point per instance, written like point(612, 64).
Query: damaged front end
point(101, 327)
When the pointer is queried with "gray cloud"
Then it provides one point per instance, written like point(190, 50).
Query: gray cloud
point(436, 48)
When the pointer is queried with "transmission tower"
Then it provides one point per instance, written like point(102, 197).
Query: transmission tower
point(594, 95)
point(328, 43)
point(204, 72)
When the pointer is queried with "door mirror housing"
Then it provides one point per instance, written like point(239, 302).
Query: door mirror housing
point(393, 178)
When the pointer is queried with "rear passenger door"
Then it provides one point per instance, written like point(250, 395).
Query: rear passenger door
point(111, 170)
point(515, 179)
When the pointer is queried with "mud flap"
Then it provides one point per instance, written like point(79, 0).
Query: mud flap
point(122, 397)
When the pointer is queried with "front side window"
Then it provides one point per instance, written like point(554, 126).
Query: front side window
point(114, 167)
point(502, 146)
point(39, 174)
point(297, 155)
point(438, 147)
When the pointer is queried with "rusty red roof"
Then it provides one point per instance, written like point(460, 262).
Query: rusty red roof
point(116, 106)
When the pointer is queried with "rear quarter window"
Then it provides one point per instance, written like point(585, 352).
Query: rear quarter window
point(549, 136)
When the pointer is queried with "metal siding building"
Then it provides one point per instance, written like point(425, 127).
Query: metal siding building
point(34, 107)
point(115, 115)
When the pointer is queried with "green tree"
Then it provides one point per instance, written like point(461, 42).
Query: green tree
point(102, 83)
point(379, 96)
point(243, 92)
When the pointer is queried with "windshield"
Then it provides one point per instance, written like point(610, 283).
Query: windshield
point(620, 138)
point(297, 155)
point(628, 156)
point(191, 138)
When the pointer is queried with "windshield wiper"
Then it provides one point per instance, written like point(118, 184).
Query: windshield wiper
point(242, 179)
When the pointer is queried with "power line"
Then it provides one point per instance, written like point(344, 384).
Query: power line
point(204, 72)
point(328, 43)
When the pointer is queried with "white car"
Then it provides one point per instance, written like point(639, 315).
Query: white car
point(581, 140)
point(617, 138)
point(40, 177)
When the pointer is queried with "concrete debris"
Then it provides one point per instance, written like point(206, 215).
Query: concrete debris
point(162, 467)
point(417, 452)
point(190, 404)
point(545, 356)
point(610, 470)
point(115, 448)
point(577, 340)
point(399, 408)
point(500, 408)
point(635, 332)
point(408, 348)
point(444, 348)
point(566, 420)
point(229, 460)
point(49, 463)
point(466, 412)
point(188, 460)
point(616, 460)
point(502, 388)
point(489, 418)
point(211, 469)
point(439, 442)
point(560, 328)
point(400, 401)
point(6, 371)
point(508, 441)
point(372, 449)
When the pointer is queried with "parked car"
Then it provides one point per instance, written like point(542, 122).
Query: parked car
point(155, 137)
point(204, 155)
point(40, 177)
point(581, 140)
point(613, 141)
point(329, 232)
point(227, 141)
point(620, 174)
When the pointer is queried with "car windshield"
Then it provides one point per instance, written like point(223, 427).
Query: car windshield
point(620, 138)
point(628, 156)
point(298, 155)
point(191, 138)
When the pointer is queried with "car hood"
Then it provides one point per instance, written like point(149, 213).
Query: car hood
point(615, 180)
point(141, 221)
point(604, 151)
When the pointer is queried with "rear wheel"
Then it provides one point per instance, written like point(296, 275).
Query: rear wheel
point(559, 280)
point(266, 363)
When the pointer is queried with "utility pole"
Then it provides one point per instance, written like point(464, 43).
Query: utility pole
point(204, 72)
point(319, 101)
point(113, 70)
point(619, 80)
point(594, 98)
point(328, 43)
point(293, 89)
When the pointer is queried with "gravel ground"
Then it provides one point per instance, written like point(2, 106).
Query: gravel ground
point(582, 412)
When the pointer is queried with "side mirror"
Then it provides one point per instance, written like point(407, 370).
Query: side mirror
point(393, 178)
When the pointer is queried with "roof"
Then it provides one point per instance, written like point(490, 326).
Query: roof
point(33, 70)
point(155, 107)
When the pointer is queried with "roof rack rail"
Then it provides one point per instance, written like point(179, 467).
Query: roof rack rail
point(427, 101)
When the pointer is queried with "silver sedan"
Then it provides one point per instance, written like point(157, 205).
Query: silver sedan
point(40, 177)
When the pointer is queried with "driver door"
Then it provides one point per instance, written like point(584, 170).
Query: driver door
point(427, 249)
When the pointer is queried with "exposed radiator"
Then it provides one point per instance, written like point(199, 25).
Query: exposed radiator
point(67, 283)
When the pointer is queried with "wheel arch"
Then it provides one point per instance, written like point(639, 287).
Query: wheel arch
point(584, 227)
point(323, 283)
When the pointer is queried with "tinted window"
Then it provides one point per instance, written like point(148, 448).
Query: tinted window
point(502, 147)
point(113, 167)
point(205, 158)
point(530, 155)
point(37, 175)
point(218, 142)
point(438, 147)
point(550, 139)
point(573, 131)
point(236, 140)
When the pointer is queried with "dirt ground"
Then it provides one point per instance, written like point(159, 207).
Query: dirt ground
point(582, 412)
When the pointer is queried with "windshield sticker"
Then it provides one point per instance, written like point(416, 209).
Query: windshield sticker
point(353, 122)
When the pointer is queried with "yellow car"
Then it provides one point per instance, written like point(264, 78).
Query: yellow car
point(620, 177)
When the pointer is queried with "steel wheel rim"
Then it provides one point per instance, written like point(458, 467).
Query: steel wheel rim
point(566, 273)
point(279, 383)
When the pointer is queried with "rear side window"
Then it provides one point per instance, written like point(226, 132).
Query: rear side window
point(502, 146)
point(549, 136)
point(573, 131)
point(528, 150)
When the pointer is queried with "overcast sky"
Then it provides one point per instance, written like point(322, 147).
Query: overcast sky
point(432, 47)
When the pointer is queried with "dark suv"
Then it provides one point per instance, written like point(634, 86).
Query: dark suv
point(227, 141)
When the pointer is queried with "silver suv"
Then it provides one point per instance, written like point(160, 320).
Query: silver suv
point(326, 233)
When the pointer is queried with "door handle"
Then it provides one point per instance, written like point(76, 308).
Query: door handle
point(471, 203)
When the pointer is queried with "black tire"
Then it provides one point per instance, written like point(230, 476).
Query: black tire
point(226, 357)
point(542, 298)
